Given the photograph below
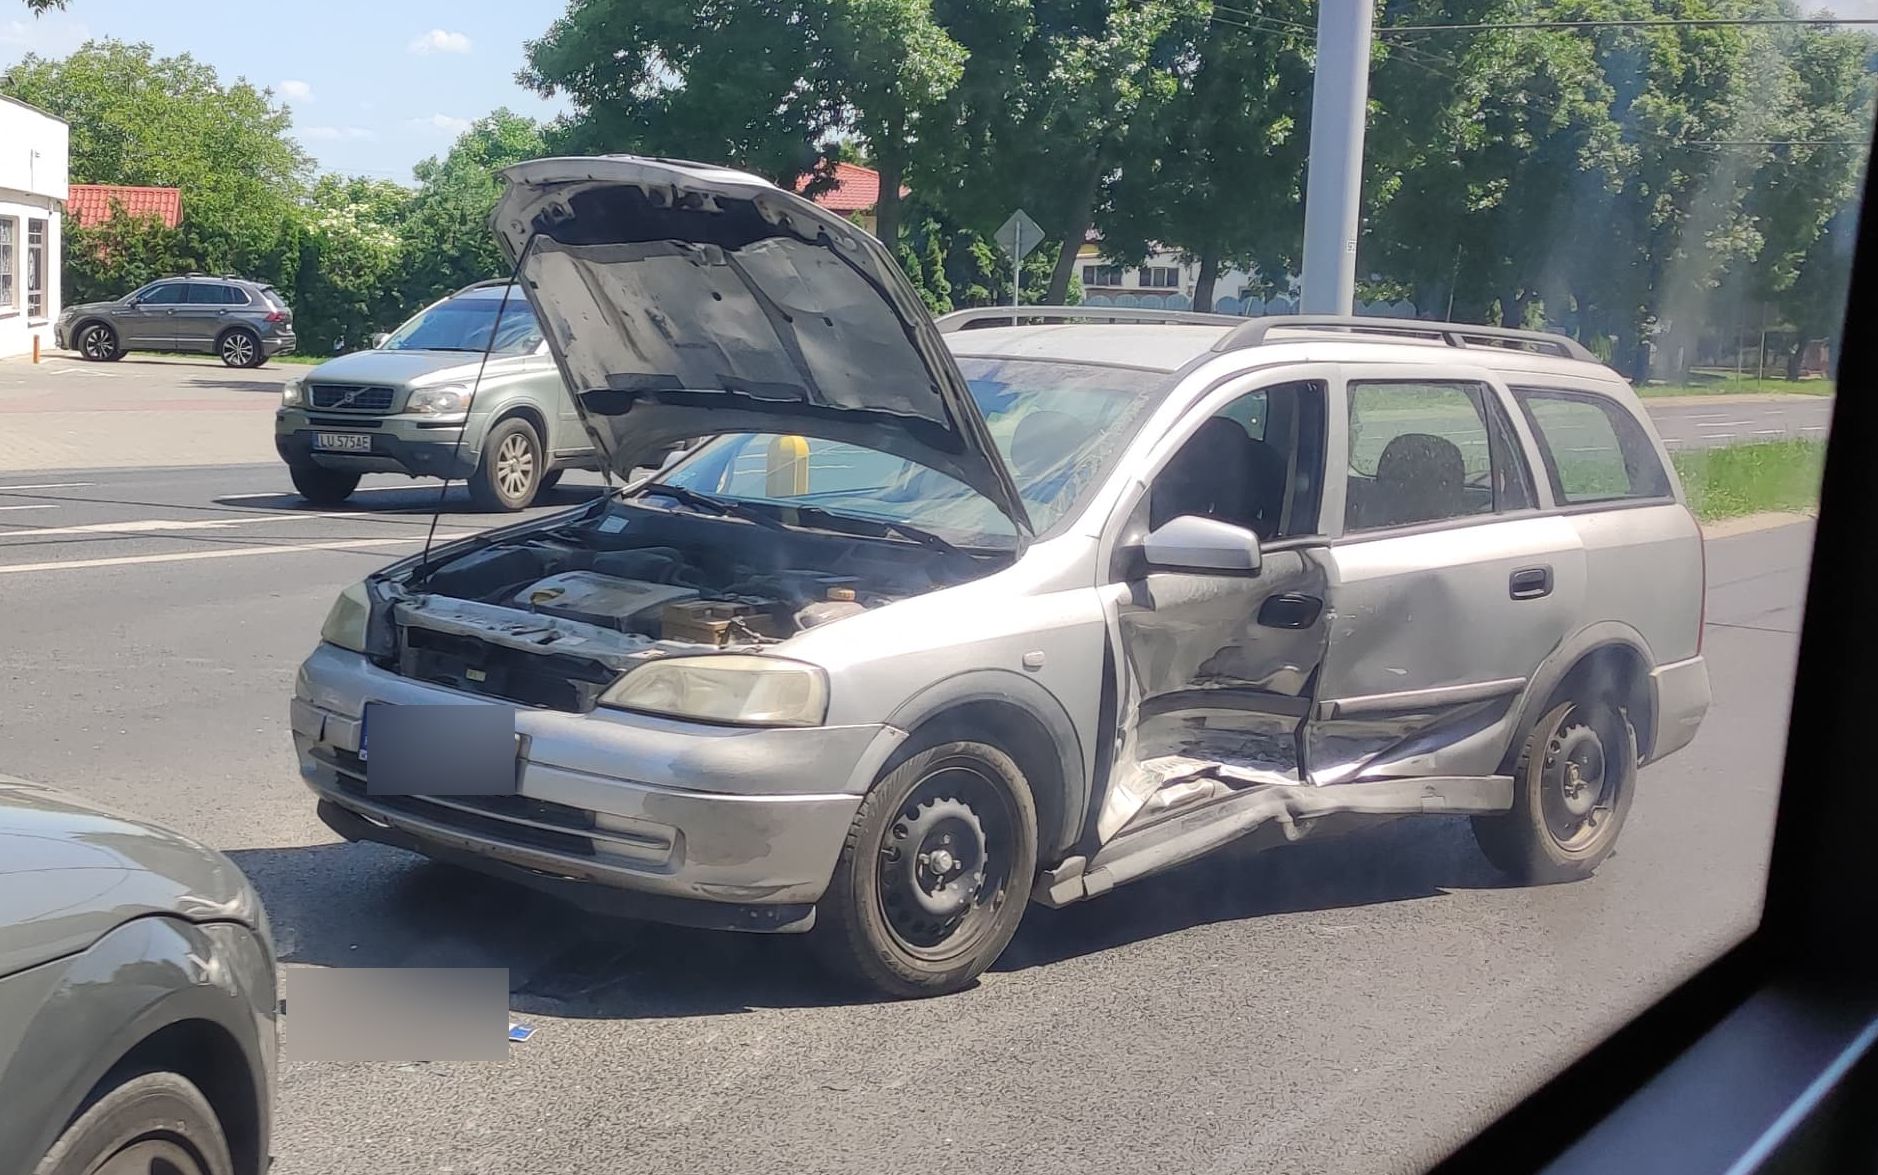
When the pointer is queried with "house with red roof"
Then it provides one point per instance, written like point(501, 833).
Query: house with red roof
point(93, 204)
point(855, 192)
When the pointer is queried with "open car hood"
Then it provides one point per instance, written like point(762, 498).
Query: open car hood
point(682, 300)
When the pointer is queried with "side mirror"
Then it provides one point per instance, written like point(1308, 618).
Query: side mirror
point(378, 340)
point(1205, 545)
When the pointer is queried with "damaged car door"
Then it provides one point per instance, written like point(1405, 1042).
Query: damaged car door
point(1217, 661)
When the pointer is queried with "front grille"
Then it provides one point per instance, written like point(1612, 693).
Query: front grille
point(555, 681)
point(351, 397)
point(492, 819)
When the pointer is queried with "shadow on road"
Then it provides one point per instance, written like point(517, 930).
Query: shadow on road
point(368, 906)
point(270, 386)
point(420, 497)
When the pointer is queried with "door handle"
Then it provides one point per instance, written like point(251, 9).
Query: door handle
point(1530, 583)
point(1290, 610)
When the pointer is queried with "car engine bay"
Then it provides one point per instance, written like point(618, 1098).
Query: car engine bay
point(552, 617)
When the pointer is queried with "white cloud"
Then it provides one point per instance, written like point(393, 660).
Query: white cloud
point(443, 122)
point(295, 91)
point(334, 134)
point(440, 41)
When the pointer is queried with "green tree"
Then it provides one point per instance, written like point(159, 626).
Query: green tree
point(351, 255)
point(137, 118)
point(445, 237)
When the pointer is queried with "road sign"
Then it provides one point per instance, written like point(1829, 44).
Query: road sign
point(1019, 235)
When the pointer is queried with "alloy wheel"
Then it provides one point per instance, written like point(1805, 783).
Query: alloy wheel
point(97, 343)
point(515, 466)
point(238, 350)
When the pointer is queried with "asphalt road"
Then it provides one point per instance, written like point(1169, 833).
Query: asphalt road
point(1354, 1005)
point(1742, 420)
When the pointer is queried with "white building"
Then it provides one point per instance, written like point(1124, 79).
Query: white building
point(1166, 281)
point(33, 155)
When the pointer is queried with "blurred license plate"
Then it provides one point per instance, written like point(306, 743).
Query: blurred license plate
point(343, 442)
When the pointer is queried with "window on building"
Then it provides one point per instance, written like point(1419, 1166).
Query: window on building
point(9, 265)
point(1160, 277)
point(35, 269)
point(1101, 275)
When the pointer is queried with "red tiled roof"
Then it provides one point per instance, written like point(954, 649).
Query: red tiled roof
point(856, 189)
point(91, 204)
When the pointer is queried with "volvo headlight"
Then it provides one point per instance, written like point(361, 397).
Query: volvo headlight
point(348, 619)
point(444, 401)
point(734, 688)
point(293, 392)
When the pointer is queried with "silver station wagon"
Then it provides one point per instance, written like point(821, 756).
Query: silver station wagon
point(947, 618)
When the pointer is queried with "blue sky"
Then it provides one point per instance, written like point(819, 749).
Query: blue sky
point(374, 86)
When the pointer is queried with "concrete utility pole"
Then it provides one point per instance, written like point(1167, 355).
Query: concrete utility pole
point(1333, 184)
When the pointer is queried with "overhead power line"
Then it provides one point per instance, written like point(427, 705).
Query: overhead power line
point(1667, 22)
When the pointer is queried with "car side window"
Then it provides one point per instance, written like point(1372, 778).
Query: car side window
point(202, 294)
point(1594, 451)
point(233, 296)
point(1256, 463)
point(171, 294)
point(1419, 451)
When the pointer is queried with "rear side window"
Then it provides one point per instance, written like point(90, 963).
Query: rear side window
point(233, 295)
point(1594, 451)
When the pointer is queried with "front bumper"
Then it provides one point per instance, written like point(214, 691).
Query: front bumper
point(398, 446)
point(706, 826)
point(1682, 699)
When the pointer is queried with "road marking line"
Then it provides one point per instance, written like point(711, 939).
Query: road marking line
point(230, 553)
point(52, 485)
point(292, 494)
point(155, 525)
point(40, 506)
point(1770, 432)
point(1721, 423)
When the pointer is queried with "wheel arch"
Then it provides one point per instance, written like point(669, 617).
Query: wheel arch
point(203, 1052)
point(1609, 659)
point(231, 328)
point(1024, 720)
point(523, 410)
point(90, 320)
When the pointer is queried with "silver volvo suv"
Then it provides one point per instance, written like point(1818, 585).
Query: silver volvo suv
point(465, 390)
point(944, 619)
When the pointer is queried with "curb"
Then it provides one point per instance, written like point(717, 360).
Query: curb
point(1727, 528)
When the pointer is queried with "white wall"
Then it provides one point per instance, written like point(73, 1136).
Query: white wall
point(34, 153)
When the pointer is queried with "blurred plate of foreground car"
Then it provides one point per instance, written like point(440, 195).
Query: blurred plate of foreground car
point(951, 617)
point(137, 996)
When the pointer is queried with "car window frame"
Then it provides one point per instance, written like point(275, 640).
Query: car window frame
point(1607, 404)
point(143, 296)
point(1143, 460)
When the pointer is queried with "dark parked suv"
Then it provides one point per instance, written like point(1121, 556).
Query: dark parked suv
point(245, 322)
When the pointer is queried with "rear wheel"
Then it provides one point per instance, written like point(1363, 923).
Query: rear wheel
point(98, 343)
point(510, 473)
point(153, 1123)
point(935, 873)
point(241, 348)
point(1572, 788)
point(321, 486)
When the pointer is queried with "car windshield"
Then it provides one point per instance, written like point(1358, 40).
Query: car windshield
point(1058, 426)
point(464, 324)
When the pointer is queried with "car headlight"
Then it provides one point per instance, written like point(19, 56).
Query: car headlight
point(444, 401)
point(348, 619)
point(735, 688)
point(293, 393)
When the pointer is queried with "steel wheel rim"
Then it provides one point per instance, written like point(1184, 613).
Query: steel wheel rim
point(97, 343)
point(943, 868)
point(1577, 788)
point(238, 349)
point(153, 1156)
point(515, 465)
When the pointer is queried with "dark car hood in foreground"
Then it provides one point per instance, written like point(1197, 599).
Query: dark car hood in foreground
point(71, 871)
point(682, 300)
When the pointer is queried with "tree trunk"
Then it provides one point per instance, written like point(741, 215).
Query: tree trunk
point(1075, 228)
point(1203, 285)
point(1509, 308)
point(1795, 357)
point(887, 208)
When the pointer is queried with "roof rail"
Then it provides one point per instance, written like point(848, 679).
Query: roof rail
point(1252, 332)
point(487, 284)
point(986, 316)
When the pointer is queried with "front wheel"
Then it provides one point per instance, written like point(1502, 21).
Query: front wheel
point(1571, 790)
point(98, 343)
point(153, 1122)
point(321, 486)
point(510, 473)
point(934, 875)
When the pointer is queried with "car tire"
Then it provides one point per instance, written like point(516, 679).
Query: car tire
point(153, 1121)
point(549, 480)
point(509, 475)
point(1572, 788)
point(900, 918)
point(98, 343)
point(240, 348)
point(322, 486)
